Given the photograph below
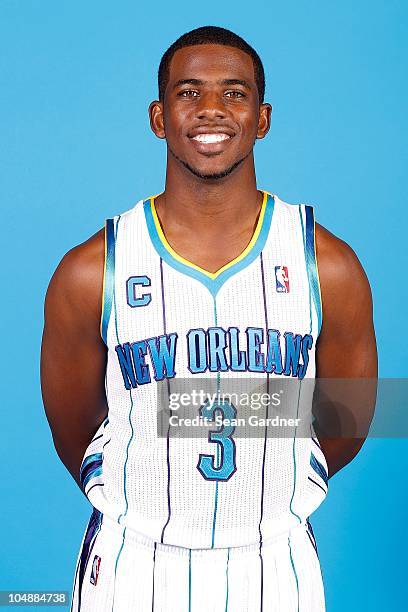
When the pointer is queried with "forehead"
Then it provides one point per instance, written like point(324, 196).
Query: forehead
point(206, 61)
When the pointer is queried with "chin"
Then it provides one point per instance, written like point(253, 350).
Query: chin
point(211, 168)
point(212, 172)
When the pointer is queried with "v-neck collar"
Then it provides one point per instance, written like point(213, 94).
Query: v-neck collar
point(212, 280)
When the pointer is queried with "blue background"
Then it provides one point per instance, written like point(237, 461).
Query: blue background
point(76, 147)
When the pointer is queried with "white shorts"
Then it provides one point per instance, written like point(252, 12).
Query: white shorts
point(121, 571)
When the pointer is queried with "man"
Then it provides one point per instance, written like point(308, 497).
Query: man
point(217, 280)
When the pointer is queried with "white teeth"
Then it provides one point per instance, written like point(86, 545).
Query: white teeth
point(210, 138)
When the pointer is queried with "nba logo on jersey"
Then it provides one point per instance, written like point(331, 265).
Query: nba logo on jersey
point(282, 279)
point(95, 570)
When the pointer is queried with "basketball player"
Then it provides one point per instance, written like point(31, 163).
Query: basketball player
point(214, 279)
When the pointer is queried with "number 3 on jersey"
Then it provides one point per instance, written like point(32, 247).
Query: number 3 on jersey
point(215, 467)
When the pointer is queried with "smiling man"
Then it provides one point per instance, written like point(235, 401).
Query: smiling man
point(213, 278)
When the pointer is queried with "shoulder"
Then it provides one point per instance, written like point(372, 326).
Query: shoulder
point(338, 264)
point(76, 285)
point(344, 285)
point(83, 263)
point(82, 266)
point(337, 261)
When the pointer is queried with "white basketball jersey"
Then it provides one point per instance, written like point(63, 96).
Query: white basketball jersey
point(168, 324)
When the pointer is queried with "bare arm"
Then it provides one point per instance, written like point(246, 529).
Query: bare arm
point(346, 349)
point(73, 355)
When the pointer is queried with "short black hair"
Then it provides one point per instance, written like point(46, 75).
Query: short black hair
point(208, 35)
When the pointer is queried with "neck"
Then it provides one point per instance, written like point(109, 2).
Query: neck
point(209, 205)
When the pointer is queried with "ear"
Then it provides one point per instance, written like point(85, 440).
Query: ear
point(157, 119)
point(264, 122)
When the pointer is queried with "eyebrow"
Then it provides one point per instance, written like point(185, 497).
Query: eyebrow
point(181, 82)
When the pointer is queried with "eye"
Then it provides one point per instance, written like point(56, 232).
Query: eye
point(187, 93)
point(235, 93)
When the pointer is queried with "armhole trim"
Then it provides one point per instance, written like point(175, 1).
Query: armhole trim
point(311, 263)
point(108, 278)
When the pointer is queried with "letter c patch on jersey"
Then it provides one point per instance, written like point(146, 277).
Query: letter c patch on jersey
point(131, 286)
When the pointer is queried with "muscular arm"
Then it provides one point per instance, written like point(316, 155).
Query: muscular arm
point(346, 350)
point(73, 355)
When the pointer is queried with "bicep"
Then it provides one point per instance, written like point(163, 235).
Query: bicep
point(73, 358)
point(346, 348)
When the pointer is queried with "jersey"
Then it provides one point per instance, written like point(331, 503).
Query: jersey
point(252, 324)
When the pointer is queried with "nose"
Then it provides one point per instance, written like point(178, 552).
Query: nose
point(211, 106)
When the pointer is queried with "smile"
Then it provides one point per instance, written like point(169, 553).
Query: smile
point(211, 138)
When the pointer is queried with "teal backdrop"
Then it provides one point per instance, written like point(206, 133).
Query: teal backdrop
point(76, 79)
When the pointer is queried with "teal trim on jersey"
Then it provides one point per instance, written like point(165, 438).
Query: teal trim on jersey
point(311, 262)
point(294, 571)
point(294, 461)
point(310, 290)
point(90, 458)
point(109, 277)
point(127, 448)
point(131, 403)
point(189, 580)
point(131, 398)
point(91, 475)
point(127, 455)
point(90, 468)
point(116, 566)
point(114, 296)
point(212, 284)
point(319, 468)
point(227, 581)
point(215, 502)
point(217, 451)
